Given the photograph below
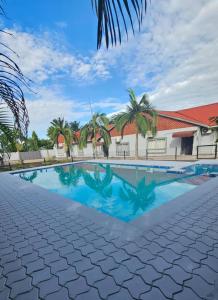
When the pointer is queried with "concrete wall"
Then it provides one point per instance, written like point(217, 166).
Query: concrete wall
point(171, 143)
point(16, 156)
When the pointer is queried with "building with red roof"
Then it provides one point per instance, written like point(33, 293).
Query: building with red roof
point(180, 132)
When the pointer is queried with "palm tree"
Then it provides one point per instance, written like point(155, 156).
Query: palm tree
point(94, 130)
point(141, 197)
point(111, 13)
point(69, 175)
point(59, 126)
point(141, 113)
point(101, 184)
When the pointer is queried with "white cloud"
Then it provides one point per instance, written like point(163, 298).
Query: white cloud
point(41, 58)
point(174, 57)
point(50, 103)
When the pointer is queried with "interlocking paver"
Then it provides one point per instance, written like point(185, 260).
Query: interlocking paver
point(31, 295)
point(35, 266)
point(206, 273)
point(91, 294)
point(77, 287)
point(2, 283)
point(178, 274)
point(149, 274)
point(11, 266)
point(16, 276)
point(62, 294)
point(49, 286)
point(121, 274)
point(4, 294)
point(186, 294)
point(93, 275)
point(121, 295)
point(211, 262)
point(41, 275)
point(21, 287)
point(187, 264)
point(106, 287)
point(67, 275)
point(154, 294)
point(199, 286)
point(107, 264)
point(133, 264)
point(167, 286)
point(159, 264)
point(48, 251)
point(58, 265)
point(136, 286)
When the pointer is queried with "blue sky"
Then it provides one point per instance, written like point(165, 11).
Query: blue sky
point(173, 58)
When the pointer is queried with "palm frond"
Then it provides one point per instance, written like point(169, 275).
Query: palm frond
point(12, 82)
point(113, 15)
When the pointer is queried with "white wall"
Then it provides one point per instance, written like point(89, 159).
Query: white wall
point(171, 143)
point(15, 156)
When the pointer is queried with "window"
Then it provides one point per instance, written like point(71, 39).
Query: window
point(157, 145)
point(122, 148)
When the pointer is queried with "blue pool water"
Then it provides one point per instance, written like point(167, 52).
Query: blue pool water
point(199, 169)
point(124, 192)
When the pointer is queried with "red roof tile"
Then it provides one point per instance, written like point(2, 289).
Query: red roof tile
point(199, 114)
point(167, 120)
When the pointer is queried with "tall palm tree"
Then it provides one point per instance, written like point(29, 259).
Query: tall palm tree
point(141, 113)
point(112, 13)
point(94, 130)
point(59, 126)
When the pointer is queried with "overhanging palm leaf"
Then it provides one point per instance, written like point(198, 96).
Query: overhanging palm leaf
point(11, 93)
point(11, 79)
point(113, 15)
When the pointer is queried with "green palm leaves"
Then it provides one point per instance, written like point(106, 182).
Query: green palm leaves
point(99, 182)
point(59, 126)
point(113, 15)
point(141, 197)
point(141, 113)
point(94, 130)
point(69, 176)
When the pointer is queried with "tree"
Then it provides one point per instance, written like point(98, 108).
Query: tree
point(95, 130)
point(74, 126)
point(141, 196)
point(7, 143)
point(45, 144)
point(58, 127)
point(69, 175)
point(98, 181)
point(111, 13)
point(33, 142)
point(141, 113)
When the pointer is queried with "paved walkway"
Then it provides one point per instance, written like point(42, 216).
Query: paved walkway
point(52, 248)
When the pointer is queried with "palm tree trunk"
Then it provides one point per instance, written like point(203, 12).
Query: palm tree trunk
point(137, 145)
point(94, 148)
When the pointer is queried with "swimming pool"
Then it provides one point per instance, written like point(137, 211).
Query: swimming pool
point(122, 191)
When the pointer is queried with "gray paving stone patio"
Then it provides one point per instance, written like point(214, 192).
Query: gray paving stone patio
point(52, 248)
